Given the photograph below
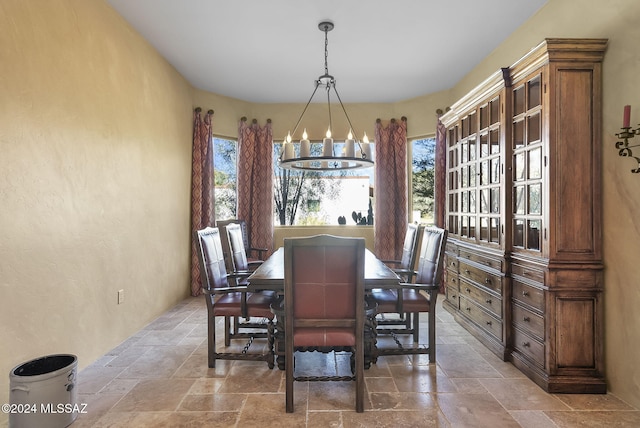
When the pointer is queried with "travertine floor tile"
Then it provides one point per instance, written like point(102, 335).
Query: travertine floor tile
point(159, 378)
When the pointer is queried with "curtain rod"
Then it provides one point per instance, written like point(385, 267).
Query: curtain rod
point(198, 110)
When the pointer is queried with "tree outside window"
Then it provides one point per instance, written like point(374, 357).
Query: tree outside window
point(422, 184)
point(225, 174)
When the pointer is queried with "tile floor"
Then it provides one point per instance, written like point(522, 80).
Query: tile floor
point(159, 378)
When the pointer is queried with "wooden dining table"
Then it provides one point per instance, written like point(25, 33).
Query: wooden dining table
point(270, 276)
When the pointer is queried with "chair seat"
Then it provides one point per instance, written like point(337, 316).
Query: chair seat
point(412, 300)
point(324, 337)
point(258, 305)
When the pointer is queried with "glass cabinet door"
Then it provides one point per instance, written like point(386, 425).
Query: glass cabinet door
point(527, 165)
point(474, 175)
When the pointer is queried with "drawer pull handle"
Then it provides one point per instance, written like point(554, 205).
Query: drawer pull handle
point(525, 293)
point(453, 296)
point(467, 290)
point(526, 319)
point(488, 301)
point(468, 309)
point(488, 322)
point(467, 271)
point(526, 344)
point(525, 273)
point(487, 280)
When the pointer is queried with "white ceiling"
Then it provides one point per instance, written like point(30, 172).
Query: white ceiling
point(268, 51)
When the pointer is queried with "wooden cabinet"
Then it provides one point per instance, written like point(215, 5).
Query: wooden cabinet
point(524, 260)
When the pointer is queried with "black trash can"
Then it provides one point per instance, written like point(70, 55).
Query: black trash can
point(43, 392)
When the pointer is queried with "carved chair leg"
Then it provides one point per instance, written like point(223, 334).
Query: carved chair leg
point(227, 331)
point(211, 341)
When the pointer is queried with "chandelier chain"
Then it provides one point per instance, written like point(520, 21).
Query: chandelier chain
point(326, 50)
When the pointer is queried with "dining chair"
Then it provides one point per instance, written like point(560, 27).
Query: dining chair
point(252, 253)
point(232, 300)
point(405, 269)
point(415, 298)
point(236, 249)
point(324, 304)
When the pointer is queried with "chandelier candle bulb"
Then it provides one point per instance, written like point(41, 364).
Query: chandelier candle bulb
point(327, 145)
point(626, 118)
point(287, 148)
point(305, 146)
point(349, 145)
point(366, 148)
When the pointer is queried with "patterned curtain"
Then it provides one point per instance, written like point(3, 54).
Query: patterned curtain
point(202, 198)
point(255, 182)
point(440, 191)
point(390, 188)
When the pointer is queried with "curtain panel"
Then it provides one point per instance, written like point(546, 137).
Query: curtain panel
point(202, 197)
point(390, 188)
point(255, 182)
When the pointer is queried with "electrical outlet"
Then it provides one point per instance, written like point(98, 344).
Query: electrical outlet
point(120, 296)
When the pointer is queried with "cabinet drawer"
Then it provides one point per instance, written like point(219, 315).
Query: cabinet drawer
point(450, 263)
point(481, 318)
point(527, 272)
point(528, 295)
point(451, 248)
point(488, 301)
point(481, 277)
point(482, 260)
point(528, 321)
point(451, 279)
point(451, 295)
point(529, 347)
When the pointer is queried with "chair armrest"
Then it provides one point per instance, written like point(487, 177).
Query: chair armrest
point(225, 290)
point(239, 274)
point(393, 262)
point(423, 287)
point(260, 251)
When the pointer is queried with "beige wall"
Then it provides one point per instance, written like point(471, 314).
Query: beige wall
point(95, 131)
point(95, 152)
point(617, 21)
point(420, 113)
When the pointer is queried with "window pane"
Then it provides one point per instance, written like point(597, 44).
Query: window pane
point(535, 164)
point(422, 180)
point(518, 200)
point(534, 199)
point(224, 166)
point(533, 238)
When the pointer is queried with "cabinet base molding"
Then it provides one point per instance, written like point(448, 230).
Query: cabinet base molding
point(587, 384)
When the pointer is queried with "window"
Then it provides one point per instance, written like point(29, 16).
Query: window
point(321, 197)
point(422, 183)
point(224, 164)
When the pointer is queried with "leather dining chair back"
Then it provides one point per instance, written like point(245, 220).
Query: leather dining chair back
point(252, 253)
point(237, 254)
point(231, 301)
point(410, 249)
point(324, 304)
point(413, 298)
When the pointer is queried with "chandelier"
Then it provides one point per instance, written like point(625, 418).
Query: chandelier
point(355, 154)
